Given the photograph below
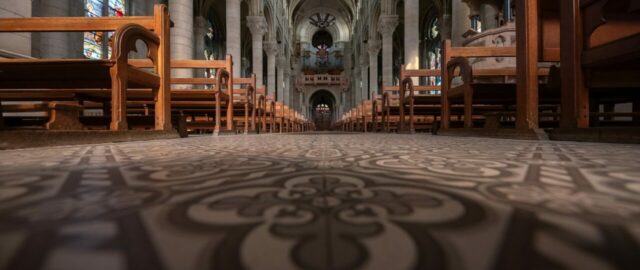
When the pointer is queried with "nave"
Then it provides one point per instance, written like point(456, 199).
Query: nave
point(321, 201)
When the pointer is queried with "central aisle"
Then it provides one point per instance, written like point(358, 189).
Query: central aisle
point(321, 201)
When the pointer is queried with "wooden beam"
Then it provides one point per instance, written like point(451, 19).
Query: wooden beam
point(527, 42)
point(483, 51)
point(73, 24)
point(163, 93)
point(444, 95)
point(574, 95)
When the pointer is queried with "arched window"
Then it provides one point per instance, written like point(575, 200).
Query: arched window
point(96, 44)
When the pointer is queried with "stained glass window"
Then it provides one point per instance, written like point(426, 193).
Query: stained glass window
point(96, 43)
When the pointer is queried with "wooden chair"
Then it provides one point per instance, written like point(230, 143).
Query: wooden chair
point(202, 104)
point(115, 74)
point(264, 111)
point(478, 90)
point(605, 36)
point(537, 35)
point(423, 100)
point(245, 97)
point(377, 114)
point(391, 108)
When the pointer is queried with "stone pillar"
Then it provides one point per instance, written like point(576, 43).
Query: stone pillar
point(386, 27)
point(346, 57)
point(286, 73)
point(234, 42)
point(488, 16)
point(357, 87)
point(200, 27)
point(460, 21)
point(54, 45)
point(281, 62)
point(271, 48)
point(364, 68)
point(412, 34)
point(374, 50)
point(182, 45)
point(258, 27)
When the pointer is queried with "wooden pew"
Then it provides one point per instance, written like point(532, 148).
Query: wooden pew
point(114, 74)
point(604, 37)
point(246, 95)
point(200, 105)
point(424, 107)
point(270, 123)
point(479, 91)
point(391, 108)
point(264, 110)
point(377, 113)
point(537, 32)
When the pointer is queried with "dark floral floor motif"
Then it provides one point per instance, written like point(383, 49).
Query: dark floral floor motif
point(321, 201)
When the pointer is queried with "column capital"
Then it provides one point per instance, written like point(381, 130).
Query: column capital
point(387, 24)
point(271, 48)
point(257, 25)
point(374, 47)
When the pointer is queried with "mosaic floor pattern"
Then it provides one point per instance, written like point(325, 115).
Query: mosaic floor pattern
point(321, 201)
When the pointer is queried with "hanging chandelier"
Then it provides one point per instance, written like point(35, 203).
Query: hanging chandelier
point(322, 21)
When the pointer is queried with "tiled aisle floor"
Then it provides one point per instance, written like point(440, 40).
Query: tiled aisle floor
point(321, 202)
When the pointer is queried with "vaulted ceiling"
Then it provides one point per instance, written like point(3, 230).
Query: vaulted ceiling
point(303, 12)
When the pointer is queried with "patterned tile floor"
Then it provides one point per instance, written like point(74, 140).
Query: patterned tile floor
point(322, 201)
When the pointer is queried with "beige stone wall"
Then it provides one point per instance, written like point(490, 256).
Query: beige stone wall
point(19, 43)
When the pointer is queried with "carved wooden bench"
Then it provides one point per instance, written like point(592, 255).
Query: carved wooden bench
point(607, 68)
point(112, 76)
point(491, 86)
point(423, 100)
point(207, 103)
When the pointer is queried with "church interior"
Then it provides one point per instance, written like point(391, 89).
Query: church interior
point(319, 134)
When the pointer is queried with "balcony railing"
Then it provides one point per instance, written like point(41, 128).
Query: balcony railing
point(322, 79)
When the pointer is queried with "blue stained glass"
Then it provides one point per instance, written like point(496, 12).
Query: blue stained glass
point(95, 43)
point(94, 8)
point(116, 7)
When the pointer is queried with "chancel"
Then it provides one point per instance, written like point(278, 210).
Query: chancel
point(319, 134)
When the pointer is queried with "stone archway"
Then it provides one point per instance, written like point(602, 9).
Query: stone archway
point(322, 109)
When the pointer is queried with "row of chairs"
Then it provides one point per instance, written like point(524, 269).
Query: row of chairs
point(575, 83)
point(73, 94)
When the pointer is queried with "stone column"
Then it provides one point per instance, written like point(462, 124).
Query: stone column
point(374, 50)
point(286, 73)
point(460, 21)
point(182, 44)
point(346, 57)
point(489, 16)
point(386, 27)
point(271, 48)
point(200, 28)
point(281, 62)
point(412, 34)
point(54, 45)
point(364, 68)
point(258, 27)
point(356, 93)
point(233, 34)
